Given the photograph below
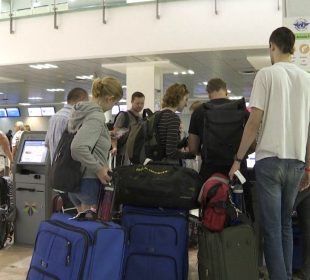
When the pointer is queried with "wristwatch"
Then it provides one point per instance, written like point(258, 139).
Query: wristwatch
point(238, 159)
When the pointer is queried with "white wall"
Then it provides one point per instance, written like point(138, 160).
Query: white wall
point(184, 26)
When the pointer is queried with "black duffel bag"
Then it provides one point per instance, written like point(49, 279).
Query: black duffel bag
point(157, 185)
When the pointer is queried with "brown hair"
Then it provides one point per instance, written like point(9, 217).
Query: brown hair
point(284, 39)
point(137, 94)
point(216, 84)
point(174, 94)
point(107, 86)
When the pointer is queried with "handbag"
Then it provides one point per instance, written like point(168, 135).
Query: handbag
point(157, 185)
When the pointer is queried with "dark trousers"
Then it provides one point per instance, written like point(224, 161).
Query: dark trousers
point(303, 213)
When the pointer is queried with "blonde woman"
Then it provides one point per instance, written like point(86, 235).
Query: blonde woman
point(92, 142)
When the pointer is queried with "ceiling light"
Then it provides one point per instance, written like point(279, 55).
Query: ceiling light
point(205, 83)
point(24, 104)
point(43, 66)
point(1, 93)
point(124, 86)
point(85, 77)
point(64, 102)
point(183, 72)
point(35, 98)
point(176, 73)
point(138, 1)
point(228, 91)
point(191, 72)
point(55, 89)
point(122, 100)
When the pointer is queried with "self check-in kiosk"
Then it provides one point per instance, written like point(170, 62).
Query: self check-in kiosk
point(33, 194)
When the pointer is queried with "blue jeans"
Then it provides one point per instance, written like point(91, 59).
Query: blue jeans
point(277, 183)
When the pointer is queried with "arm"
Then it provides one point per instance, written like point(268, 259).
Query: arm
point(4, 142)
point(305, 180)
point(194, 143)
point(248, 137)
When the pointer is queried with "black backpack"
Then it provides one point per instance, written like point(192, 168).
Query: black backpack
point(7, 210)
point(222, 132)
point(143, 140)
point(121, 141)
point(65, 173)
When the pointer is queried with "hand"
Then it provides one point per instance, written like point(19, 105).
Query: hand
point(234, 168)
point(103, 176)
point(305, 181)
point(114, 151)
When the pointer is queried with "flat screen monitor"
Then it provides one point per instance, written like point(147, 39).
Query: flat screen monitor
point(250, 161)
point(115, 110)
point(48, 111)
point(13, 112)
point(3, 113)
point(33, 152)
point(34, 112)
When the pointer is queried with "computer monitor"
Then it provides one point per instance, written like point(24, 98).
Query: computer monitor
point(48, 111)
point(13, 112)
point(3, 113)
point(250, 161)
point(34, 112)
point(33, 152)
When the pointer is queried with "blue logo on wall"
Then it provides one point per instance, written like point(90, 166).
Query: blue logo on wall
point(301, 24)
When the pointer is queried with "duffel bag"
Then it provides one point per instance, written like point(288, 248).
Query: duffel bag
point(157, 185)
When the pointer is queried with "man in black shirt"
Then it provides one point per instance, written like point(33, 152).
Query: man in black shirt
point(217, 91)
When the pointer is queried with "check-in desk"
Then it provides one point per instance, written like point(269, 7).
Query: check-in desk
point(33, 194)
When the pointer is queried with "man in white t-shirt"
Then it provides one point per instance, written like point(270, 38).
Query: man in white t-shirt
point(280, 115)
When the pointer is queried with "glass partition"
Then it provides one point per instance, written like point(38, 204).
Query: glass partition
point(25, 8)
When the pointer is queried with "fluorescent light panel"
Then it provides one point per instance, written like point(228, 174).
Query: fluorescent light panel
point(55, 89)
point(138, 1)
point(43, 66)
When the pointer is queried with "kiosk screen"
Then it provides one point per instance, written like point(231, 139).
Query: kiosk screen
point(33, 152)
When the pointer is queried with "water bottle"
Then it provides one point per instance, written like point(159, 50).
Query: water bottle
point(105, 206)
point(237, 197)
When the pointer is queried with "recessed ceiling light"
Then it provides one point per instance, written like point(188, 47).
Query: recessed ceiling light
point(176, 73)
point(183, 72)
point(205, 83)
point(55, 89)
point(138, 1)
point(35, 98)
point(43, 66)
point(85, 77)
point(191, 72)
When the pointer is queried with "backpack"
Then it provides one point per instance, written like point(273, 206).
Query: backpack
point(121, 141)
point(7, 210)
point(143, 140)
point(65, 173)
point(222, 132)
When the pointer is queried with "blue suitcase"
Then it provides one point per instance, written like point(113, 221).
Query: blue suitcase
point(157, 244)
point(77, 250)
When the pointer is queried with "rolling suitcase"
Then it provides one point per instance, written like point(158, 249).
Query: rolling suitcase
point(77, 250)
point(157, 245)
point(228, 255)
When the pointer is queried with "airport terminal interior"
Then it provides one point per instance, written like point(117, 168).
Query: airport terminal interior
point(49, 47)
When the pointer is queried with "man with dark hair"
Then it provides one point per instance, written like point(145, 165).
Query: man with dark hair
point(217, 91)
point(122, 124)
point(280, 115)
point(58, 123)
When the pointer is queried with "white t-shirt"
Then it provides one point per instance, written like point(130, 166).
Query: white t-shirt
point(16, 138)
point(282, 91)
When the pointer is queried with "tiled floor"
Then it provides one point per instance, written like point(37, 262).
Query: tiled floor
point(14, 263)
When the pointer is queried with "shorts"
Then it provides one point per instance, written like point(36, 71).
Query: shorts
point(88, 194)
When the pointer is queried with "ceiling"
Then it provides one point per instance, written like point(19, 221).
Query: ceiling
point(19, 82)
